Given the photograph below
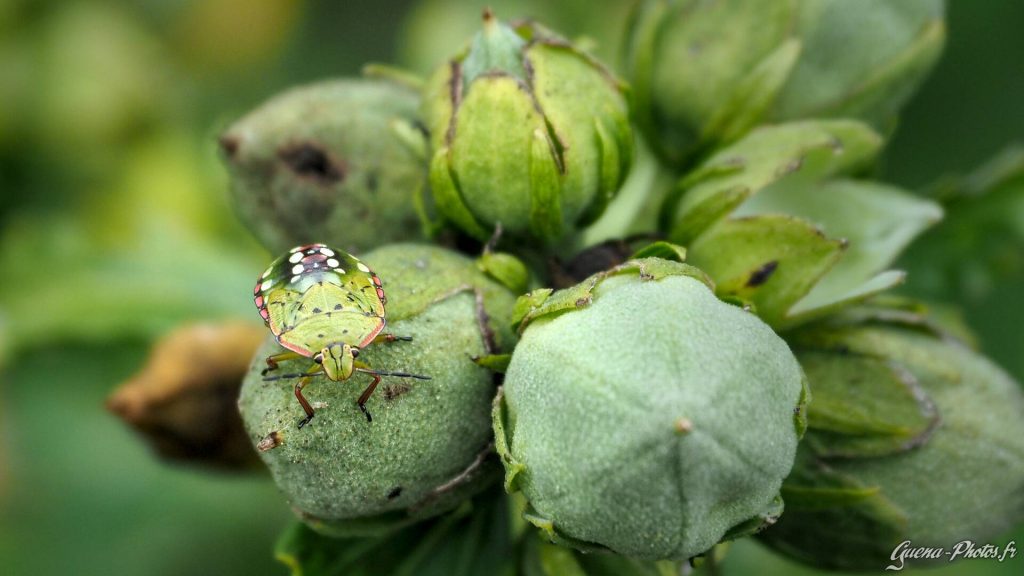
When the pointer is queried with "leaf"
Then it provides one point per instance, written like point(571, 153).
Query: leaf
point(133, 260)
point(476, 539)
point(796, 152)
point(542, 558)
point(770, 260)
point(508, 270)
point(875, 220)
point(818, 496)
point(448, 198)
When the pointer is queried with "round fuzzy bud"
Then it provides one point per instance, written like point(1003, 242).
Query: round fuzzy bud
point(331, 162)
point(704, 73)
point(642, 415)
point(429, 444)
point(912, 436)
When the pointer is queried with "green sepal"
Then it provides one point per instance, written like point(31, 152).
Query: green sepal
point(610, 174)
point(766, 518)
point(508, 270)
point(772, 260)
point(502, 442)
point(865, 407)
point(543, 558)
point(408, 79)
point(494, 362)
point(411, 137)
point(447, 197)
point(751, 99)
point(545, 187)
point(646, 22)
point(877, 222)
point(851, 69)
point(551, 533)
point(538, 304)
point(817, 495)
point(798, 151)
point(873, 340)
point(529, 302)
point(663, 250)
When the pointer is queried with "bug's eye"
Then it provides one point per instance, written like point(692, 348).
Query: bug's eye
point(319, 358)
point(355, 352)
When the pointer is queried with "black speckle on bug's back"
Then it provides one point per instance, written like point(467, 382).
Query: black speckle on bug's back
point(395, 492)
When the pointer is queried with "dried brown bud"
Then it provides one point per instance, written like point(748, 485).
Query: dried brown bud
point(184, 399)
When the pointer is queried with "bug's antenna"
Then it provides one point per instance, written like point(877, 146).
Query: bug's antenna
point(283, 377)
point(396, 374)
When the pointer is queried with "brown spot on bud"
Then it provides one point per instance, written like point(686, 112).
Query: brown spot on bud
point(309, 160)
point(270, 441)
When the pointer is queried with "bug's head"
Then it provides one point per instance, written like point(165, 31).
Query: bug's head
point(338, 360)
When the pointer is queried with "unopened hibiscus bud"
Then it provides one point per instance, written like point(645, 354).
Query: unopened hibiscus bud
point(912, 437)
point(429, 445)
point(528, 133)
point(642, 415)
point(704, 73)
point(331, 162)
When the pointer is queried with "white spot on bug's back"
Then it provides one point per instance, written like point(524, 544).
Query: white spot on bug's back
point(327, 252)
point(295, 257)
point(298, 268)
point(332, 262)
point(296, 249)
point(294, 279)
point(363, 267)
point(266, 285)
point(268, 271)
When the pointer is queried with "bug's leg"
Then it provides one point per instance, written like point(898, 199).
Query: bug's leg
point(302, 400)
point(390, 338)
point(366, 396)
point(272, 360)
point(376, 374)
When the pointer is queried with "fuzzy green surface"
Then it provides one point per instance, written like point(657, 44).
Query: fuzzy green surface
point(323, 163)
point(965, 483)
point(594, 397)
point(347, 476)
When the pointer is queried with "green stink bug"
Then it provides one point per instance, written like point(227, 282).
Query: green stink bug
point(324, 304)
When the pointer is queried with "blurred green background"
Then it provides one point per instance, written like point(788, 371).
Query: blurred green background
point(114, 227)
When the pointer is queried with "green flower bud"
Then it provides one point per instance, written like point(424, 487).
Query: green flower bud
point(329, 162)
point(706, 72)
point(527, 132)
point(912, 436)
point(427, 447)
point(643, 415)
